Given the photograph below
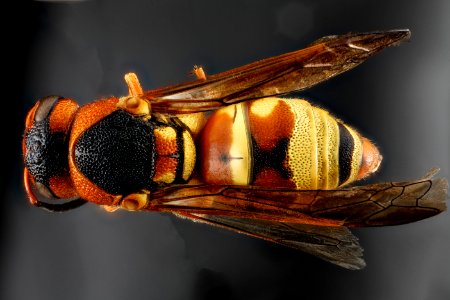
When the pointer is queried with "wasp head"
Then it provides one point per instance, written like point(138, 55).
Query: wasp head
point(45, 148)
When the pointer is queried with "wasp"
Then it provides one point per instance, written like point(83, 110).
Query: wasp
point(228, 151)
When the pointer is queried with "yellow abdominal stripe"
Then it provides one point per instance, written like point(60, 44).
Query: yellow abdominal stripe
point(167, 177)
point(313, 151)
point(302, 149)
point(320, 120)
point(265, 107)
point(167, 132)
point(189, 155)
point(195, 121)
point(331, 151)
point(239, 154)
point(166, 138)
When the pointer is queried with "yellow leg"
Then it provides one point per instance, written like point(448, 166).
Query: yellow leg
point(134, 103)
point(135, 201)
point(110, 208)
point(134, 87)
point(199, 73)
point(114, 206)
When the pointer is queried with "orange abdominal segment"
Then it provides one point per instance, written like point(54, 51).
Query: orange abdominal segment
point(371, 159)
point(270, 177)
point(282, 143)
point(215, 147)
point(266, 131)
point(271, 124)
point(247, 143)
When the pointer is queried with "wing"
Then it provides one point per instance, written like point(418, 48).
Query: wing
point(381, 204)
point(294, 71)
point(333, 244)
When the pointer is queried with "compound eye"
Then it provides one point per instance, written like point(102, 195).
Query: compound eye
point(44, 108)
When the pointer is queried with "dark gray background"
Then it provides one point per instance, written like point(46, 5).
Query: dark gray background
point(400, 99)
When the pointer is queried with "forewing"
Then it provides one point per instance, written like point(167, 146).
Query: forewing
point(294, 71)
point(333, 244)
point(381, 204)
point(385, 204)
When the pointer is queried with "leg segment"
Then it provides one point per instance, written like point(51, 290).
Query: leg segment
point(134, 103)
point(199, 73)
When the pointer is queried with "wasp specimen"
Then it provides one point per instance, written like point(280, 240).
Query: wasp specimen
point(226, 150)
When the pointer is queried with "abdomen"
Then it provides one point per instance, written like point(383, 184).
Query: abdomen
point(279, 142)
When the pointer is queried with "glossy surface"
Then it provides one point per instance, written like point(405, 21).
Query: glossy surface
point(400, 99)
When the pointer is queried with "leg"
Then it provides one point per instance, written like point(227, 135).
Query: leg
point(199, 73)
point(135, 201)
point(133, 103)
point(134, 86)
point(110, 208)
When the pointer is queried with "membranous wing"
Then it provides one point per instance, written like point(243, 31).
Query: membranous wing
point(335, 244)
point(294, 71)
point(311, 221)
point(381, 204)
